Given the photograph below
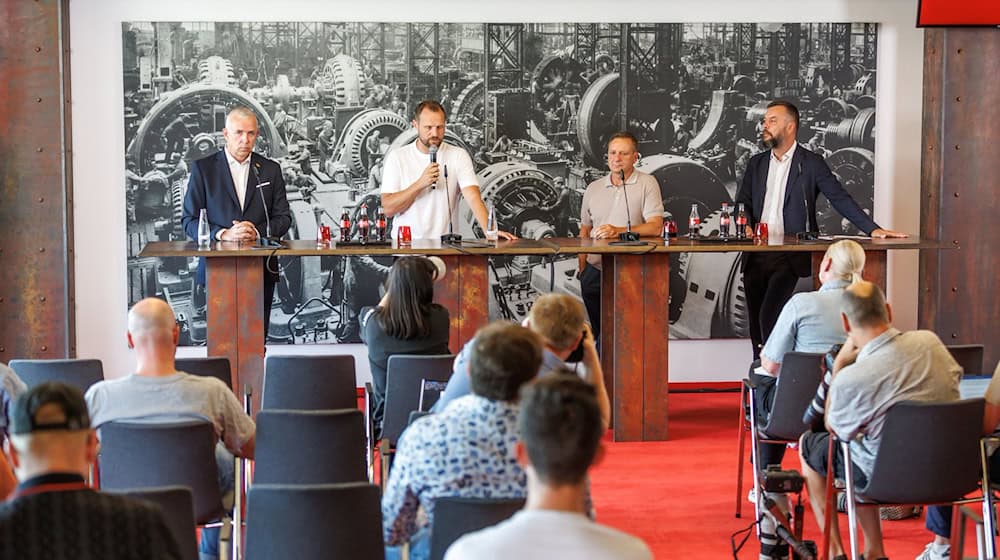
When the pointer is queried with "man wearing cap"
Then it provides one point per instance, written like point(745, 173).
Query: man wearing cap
point(53, 514)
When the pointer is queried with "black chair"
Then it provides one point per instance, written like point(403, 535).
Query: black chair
point(969, 356)
point(430, 393)
point(178, 509)
point(800, 376)
point(417, 415)
point(309, 383)
point(78, 373)
point(138, 455)
point(207, 367)
point(317, 522)
point(929, 454)
point(405, 375)
point(454, 517)
point(310, 447)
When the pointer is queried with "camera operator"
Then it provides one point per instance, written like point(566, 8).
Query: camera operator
point(560, 320)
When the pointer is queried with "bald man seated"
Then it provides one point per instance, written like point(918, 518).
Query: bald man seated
point(158, 391)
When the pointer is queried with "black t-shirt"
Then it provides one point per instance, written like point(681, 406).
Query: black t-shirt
point(381, 346)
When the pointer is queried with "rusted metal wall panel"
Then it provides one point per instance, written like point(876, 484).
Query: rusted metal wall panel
point(36, 272)
point(959, 186)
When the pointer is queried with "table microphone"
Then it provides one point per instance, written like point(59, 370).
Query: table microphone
point(265, 241)
point(451, 236)
point(629, 235)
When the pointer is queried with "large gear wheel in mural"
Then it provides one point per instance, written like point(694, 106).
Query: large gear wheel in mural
point(471, 101)
point(599, 116)
point(344, 81)
point(353, 152)
point(553, 75)
point(855, 168)
point(191, 99)
point(683, 182)
point(524, 198)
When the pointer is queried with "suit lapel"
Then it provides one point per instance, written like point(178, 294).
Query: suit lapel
point(762, 180)
point(251, 184)
point(226, 179)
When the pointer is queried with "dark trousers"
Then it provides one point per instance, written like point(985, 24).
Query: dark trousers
point(590, 290)
point(767, 386)
point(939, 517)
point(769, 281)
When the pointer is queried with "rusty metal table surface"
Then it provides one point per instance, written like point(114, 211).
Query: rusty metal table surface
point(635, 296)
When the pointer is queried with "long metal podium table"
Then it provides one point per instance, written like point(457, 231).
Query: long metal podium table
point(635, 300)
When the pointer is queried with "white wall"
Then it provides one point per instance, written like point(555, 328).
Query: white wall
point(98, 138)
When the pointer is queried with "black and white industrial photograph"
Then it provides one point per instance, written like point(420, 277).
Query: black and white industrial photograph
point(533, 104)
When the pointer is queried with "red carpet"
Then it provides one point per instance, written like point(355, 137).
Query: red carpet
point(679, 495)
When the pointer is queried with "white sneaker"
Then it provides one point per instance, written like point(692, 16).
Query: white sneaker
point(935, 552)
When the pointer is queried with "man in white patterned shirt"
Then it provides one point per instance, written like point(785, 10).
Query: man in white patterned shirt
point(468, 449)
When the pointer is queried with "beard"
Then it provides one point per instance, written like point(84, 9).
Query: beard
point(770, 140)
point(430, 141)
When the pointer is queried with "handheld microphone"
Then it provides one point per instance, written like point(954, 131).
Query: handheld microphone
point(451, 236)
point(433, 151)
point(265, 241)
point(629, 235)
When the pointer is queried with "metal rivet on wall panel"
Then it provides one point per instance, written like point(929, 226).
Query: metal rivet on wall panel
point(958, 99)
point(41, 199)
point(954, 288)
point(41, 249)
point(38, 100)
point(955, 241)
point(2, 349)
point(44, 348)
point(41, 298)
point(956, 195)
point(959, 51)
point(954, 335)
point(38, 49)
point(956, 146)
point(38, 149)
point(1, 299)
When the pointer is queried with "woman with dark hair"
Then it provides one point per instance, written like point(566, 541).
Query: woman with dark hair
point(406, 321)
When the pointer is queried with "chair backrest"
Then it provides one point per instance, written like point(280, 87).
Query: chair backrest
point(969, 356)
point(137, 454)
point(309, 383)
point(310, 447)
point(78, 373)
point(454, 517)
point(216, 367)
point(404, 375)
point(178, 509)
point(417, 415)
point(315, 522)
point(800, 376)
point(929, 453)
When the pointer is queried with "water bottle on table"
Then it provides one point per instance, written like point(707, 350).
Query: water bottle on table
point(204, 230)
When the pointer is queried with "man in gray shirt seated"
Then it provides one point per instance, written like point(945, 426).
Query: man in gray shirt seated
point(560, 322)
point(158, 391)
point(877, 367)
point(625, 195)
point(560, 438)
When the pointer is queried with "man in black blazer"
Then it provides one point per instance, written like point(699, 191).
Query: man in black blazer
point(240, 190)
point(780, 188)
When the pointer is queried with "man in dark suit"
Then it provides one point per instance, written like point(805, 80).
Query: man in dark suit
point(54, 514)
point(240, 190)
point(780, 188)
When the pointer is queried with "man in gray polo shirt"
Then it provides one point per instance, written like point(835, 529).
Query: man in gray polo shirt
point(877, 367)
point(603, 214)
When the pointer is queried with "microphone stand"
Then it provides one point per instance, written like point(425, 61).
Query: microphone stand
point(265, 241)
point(629, 237)
point(809, 234)
point(451, 236)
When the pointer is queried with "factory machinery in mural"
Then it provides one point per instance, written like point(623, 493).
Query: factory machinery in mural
point(532, 103)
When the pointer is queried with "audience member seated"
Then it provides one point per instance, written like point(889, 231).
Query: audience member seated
point(158, 391)
point(877, 367)
point(560, 321)
point(11, 387)
point(809, 322)
point(54, 515)
point(561, 427)
point(406, 321)
point(468, 449)
point(939, 517)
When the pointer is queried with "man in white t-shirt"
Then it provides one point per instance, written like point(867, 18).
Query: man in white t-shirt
point(423, 194)
point(560, 425)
